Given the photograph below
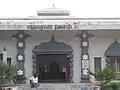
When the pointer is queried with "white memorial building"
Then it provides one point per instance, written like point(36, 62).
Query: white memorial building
point(60, 47)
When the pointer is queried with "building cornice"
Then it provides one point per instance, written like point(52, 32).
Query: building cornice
point(54, 18)
point(62, 23)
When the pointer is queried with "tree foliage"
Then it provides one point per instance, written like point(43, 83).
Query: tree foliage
point(7, 73)
point(106, 75)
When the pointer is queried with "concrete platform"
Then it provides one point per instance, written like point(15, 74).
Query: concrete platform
point(60, 86)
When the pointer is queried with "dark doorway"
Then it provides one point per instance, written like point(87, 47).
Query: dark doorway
point(50, 67)
point(54, 67)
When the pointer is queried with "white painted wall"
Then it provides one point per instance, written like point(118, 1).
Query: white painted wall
point(96, 49)
point(36, 39)
point(10, 47)
point(99, 45)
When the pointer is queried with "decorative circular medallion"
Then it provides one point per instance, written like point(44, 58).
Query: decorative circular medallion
point(20, 44)
point(20, 72)
point(85, 72)
point(85, 43)
point(20, 57)
point(85, 57)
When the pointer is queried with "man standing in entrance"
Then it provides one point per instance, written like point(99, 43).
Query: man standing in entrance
point(34, 81)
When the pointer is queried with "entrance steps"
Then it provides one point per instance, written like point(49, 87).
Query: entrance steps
point(59, 86)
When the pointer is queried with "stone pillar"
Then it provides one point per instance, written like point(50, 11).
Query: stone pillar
point(34, 63)
point(85, 56)
point(21, 36)
point(71, 67)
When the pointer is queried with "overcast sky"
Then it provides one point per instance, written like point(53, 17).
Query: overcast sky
point(78, 8)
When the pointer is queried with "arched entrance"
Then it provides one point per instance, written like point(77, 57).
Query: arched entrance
point(53, 61)
point(113, 58)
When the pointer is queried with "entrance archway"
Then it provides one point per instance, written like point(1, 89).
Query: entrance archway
point(53, 61)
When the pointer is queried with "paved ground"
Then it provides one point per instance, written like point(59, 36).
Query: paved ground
point(57, 87)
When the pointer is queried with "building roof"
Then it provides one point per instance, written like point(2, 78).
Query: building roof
point(52, 47)
point(113, 50)
point(53, 12)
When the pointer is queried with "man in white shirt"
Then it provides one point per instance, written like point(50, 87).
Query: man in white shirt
point(34, 81)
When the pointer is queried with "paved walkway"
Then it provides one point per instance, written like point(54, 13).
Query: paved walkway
point(62, 86)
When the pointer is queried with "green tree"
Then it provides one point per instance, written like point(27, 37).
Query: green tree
point(7, 73)
point(106, 76)
point(19, 79)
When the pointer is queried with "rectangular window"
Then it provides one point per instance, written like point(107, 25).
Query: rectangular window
point(97, 66)
point(1, 56)
point(117, 67)
point(9, 61)
point(115, 64)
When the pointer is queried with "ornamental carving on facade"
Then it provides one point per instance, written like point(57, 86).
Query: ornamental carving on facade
point(85, 72)
point(20, 72)
point(85, 43)
point(85, 57)
point(85, 61)
point(20, 44)
point(20, 57)
point(84, 35)
point(21, 36)
point(85, 64)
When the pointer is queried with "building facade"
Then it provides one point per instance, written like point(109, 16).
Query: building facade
point(60, 46)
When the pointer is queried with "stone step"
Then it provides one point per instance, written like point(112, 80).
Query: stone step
point(59, 87)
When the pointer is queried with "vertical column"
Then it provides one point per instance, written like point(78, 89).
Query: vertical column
point(85, 56)
point(71, 67)
point(20, 57)
point(34, 63)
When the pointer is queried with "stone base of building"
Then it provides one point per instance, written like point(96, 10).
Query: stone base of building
point(85, 80)
point(63, 86)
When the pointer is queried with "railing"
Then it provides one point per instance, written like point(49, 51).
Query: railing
point(59, 87)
